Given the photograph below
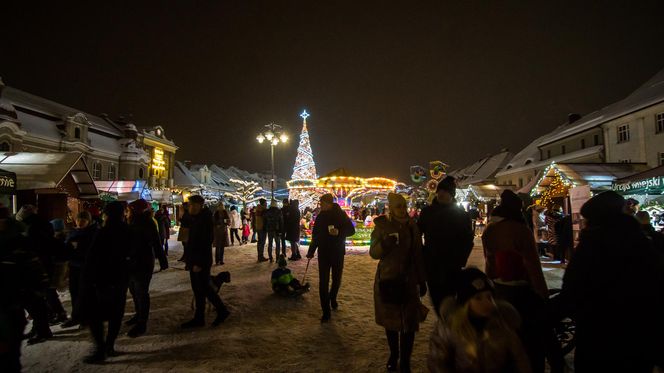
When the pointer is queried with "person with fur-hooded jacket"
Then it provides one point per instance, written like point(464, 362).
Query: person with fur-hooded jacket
point(400, 280)
point(476, 333)
point(613, 288)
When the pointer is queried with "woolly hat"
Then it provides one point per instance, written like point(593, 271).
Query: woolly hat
point(470, 282)
point(448, 184)
point(394, 198)
point(604, 205)
point(281, 262)
point(139, 206)
point(327, 198)
point(509, 200)
point(114, 210)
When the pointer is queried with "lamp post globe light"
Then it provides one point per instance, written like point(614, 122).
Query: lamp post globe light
point(274, 135)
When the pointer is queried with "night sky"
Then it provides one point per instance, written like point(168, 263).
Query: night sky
point(387, 84)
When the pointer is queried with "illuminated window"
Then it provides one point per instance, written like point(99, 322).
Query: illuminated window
point(5, 147)
point(111, 172)
point(659, 122)
point(623, 133)
point(96, 171)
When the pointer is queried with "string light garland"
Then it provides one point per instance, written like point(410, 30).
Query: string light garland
point(304, 169)
point(559, 186)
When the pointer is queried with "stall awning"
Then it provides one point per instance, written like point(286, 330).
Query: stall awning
point(600, 176)
point(50, 171)
point(7, 182)
point(650, 182)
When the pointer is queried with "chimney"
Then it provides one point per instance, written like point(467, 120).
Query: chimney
point(573, 117)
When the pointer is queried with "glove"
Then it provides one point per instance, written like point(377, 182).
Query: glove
point(423, 289)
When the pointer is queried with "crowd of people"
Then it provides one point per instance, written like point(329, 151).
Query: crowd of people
point(497, 320)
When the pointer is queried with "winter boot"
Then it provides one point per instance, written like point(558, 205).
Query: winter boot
point(221, 317)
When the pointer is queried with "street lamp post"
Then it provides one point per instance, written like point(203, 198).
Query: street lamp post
point(274, 134)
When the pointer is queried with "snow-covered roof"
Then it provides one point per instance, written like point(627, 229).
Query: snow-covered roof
point(182, 177)
point(527, 156)
point(650, 93)
point(483, 170)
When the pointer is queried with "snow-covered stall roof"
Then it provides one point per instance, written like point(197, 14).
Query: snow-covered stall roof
point(51, 171)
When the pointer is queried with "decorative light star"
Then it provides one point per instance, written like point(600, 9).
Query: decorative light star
point(304, 115)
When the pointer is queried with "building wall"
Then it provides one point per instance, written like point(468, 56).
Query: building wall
point(645, 144)
point(590, 138)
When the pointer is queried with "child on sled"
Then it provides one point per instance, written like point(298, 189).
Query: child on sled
point(283, 282)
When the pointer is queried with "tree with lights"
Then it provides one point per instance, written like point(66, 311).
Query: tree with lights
point(245, 191)
point(304, 168)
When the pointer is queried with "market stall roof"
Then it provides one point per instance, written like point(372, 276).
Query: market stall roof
point(66, 171)
point(7, 182)
point(653, 172)
point(597, 175)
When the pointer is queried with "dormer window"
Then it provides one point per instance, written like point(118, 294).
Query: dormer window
point(529, 161)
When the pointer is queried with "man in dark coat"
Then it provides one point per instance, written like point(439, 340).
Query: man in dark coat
point(199, 263)
point(448, 241)
point(331, 228)
point(292, 228)
point(146, 245)
point(104, 281)
point(614, 289)
point(78, 242)
point(274, 226)
point(21, 273)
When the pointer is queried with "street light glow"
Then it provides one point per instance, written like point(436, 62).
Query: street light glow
point(284, 137)
point(269, 135)
point(260, 138)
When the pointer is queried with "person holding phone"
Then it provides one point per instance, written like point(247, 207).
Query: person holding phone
point(331, 228)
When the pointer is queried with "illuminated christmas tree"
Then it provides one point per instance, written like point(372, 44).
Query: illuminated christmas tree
point(304, 168)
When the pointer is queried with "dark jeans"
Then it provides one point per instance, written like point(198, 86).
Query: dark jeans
point(200, 284)
point(13, 321)
point(535, 329)
point(165, 246)
point(295, 249)
point(272, 236)
point(262, 235)
point(38, 310)
point(109, 305)
point(139, 287)
point(219, 254)
point(74, 291)
point(234, 234)
point(327, 293)
point(253, 235)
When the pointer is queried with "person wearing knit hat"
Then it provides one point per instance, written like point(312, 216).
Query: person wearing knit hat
point(283, 281)
point(448, 240)
point(475, 332)
point(400, 280)
point(329, 234)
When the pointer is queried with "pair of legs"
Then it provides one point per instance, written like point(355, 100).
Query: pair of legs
point(74, 291)
point(56, 310)
point(272, 236)
point(295, 249)
point(235, 234)
point(200, 284)
point(262, 236)
point(219, 254)
point(13, 319)
point(328, 295)
point(110, 302)
point(401, 348)
point(139, 287)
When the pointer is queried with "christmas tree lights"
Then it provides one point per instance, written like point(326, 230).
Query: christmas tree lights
point(304, 168)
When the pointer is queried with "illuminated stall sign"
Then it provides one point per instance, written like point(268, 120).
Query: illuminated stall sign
point(7, 182)
point(653, 185)
point(158, 162)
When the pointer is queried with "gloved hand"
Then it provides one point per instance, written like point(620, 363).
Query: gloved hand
point(423, 289)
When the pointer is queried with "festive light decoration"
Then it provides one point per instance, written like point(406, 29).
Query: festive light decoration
point(558, 187)
point(245, 191)
point(418, 174)
point(304, 169)
point(437, 169)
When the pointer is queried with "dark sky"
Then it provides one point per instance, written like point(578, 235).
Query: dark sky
point(388, 84)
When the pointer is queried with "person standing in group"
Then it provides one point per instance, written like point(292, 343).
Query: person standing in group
point(613, 289)
point(476, 333)
point(551, 217)
point(183, 232)
point(331, 228)
point(448, 240)
point(59, 259)
point(512, 262)
point(221, 222)
point(400, 280)
point(259, 228)
point(79, 242)
point(21, 273)
point(236, 225)
point(145, 247)
point(199, 263)
point(163, 219)
point(292, 229)
point(274, 223)
point(252, 217)
point(104, 281)
point(246, 231)
point(285, 211)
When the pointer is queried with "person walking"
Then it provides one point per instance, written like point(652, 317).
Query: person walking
point(259, 228)
point(199, 263)
point(399, 281)
point(448, 241)
point(512, 263)
point(79, 241)
point(221, 222)
point(613, 289)
point(21, 273)
point(104, 281)
point(329, 234)
point(145, 247)
point(292, 228)
point(236, 225)
point(475, 332)
point(274, 223)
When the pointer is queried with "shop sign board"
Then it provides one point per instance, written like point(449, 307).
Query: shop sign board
point(652, 185)
point(7, 183)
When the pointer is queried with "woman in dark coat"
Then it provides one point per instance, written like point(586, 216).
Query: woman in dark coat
point(292, 227)
point(400, 280)
point(104, 281)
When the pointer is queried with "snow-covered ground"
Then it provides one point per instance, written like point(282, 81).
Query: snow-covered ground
point(265, 333)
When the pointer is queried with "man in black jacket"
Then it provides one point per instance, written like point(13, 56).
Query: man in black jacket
point(199, 262)
point(146, 245)
point(448, 241)
point(331, 228)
